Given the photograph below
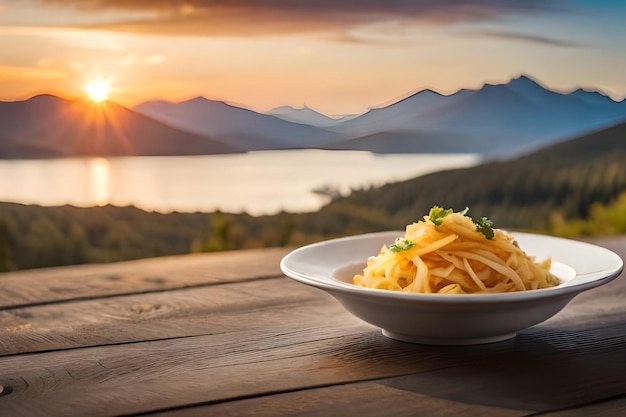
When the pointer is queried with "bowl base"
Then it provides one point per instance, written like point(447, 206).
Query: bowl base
point(445, 341)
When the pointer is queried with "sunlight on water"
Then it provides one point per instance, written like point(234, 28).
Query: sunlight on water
point(257, 182)
point(99, 181)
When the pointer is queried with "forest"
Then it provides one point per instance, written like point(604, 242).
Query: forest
point(569, 189)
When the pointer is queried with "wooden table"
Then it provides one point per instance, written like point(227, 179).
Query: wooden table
point(226, 334)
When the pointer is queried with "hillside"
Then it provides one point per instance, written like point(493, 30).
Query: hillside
point(562, 181)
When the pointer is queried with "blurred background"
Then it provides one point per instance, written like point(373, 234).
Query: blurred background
point(132, 129)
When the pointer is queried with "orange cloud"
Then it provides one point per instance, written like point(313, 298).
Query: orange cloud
point(17, 73)
point(275, 17)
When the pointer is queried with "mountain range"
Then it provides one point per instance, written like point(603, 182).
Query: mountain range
point(240, 127)
point(496, 119)
point(47, 126)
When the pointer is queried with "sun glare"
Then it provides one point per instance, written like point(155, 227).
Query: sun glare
point(98, 90)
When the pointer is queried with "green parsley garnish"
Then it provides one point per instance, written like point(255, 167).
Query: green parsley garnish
point(401, 245)
point(484, 226)
point(436, 214)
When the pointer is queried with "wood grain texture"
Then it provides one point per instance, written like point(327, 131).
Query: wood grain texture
point(374, 399)
point(24, 288)
point(610, 408)
point(539, 370)
point(161, 315)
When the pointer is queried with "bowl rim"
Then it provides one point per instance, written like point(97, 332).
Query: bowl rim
point(292, 266)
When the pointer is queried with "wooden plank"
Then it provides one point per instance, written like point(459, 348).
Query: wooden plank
point(23, 288)
point(301, 350)
point(162, 315)
point(186, 311)
point(611, 408)
point(372, 399)
point(147, 376)
point(532, 375)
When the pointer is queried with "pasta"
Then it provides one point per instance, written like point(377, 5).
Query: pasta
point(451, 253)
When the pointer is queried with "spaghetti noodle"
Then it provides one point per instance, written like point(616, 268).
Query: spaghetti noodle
point(451, 253)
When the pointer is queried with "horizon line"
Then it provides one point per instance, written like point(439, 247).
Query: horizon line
point(387, 103)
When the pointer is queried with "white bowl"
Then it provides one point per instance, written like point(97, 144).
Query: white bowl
point(450, 319)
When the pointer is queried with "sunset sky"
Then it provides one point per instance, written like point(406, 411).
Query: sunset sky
point(335, 56)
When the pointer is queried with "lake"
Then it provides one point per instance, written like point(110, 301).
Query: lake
point(264, 182)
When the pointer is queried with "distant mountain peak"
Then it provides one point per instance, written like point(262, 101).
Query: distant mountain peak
point(41, 98)
point(521, 82)
point(282, 108)
point(582, 91)
point(424, 92)
point(302, 115)
point(429, 92)
point(529, 88)
point(197, 99)
point(525, 78)
point(593, 96)
point(45, 96)
point(525, 81)
point(288, 108)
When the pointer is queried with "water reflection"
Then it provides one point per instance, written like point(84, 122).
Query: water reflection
point(99, 181)
point(257, 182)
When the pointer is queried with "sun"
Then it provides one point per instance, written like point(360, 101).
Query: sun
point(98, 90)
